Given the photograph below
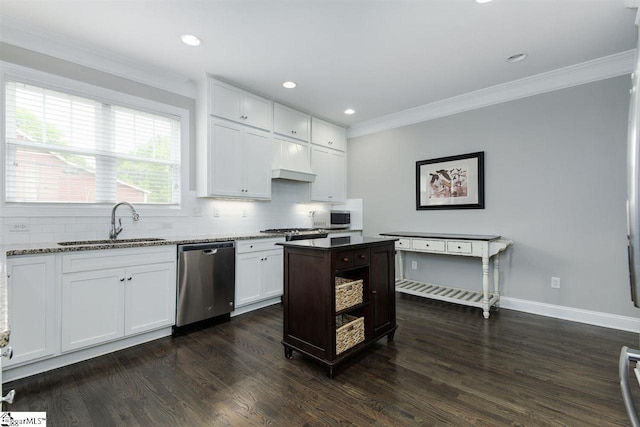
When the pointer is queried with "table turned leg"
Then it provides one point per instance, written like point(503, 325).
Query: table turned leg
point(496, 278)
point(485, 282)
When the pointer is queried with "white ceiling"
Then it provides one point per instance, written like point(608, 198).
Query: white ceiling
point(378, 57)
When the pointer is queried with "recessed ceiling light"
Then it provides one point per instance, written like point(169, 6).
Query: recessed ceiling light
point(289, 85)
point(483, 1)
point(190, 39)
point(517, 57)
point(349, 111)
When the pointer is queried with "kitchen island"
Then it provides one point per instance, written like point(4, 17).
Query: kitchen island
point(339, 297)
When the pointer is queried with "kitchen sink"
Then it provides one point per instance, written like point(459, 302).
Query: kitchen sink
point(110, 242)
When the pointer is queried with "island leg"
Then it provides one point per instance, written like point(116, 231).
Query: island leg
point(485, 281)
point(400, 264)
point(288, 352)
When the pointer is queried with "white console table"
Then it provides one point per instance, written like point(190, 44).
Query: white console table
point(485, 247)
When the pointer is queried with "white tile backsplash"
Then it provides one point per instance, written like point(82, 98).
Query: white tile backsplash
point(287, 208)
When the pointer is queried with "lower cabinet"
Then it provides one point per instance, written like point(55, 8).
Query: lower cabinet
point(100, 305)
point(259, 267)
point(31, 295)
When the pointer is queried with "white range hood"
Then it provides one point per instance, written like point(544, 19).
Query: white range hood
point(291, 161)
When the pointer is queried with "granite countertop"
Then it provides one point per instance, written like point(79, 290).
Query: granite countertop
point(329, 243)
point(51, 248)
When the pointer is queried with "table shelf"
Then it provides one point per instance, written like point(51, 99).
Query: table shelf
point(443, 293)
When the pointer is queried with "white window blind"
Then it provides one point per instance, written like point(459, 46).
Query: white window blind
point(63, 148)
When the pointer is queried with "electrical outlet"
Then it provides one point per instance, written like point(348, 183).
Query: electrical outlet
point(555, 282)
point(414, 265)
point(244, 213)
point(20, 227)
point(216, 212)
point(196, 211)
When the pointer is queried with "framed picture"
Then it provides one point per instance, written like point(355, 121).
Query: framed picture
point(454, 182)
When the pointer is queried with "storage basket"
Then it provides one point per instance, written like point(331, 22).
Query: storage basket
point(349, 332)
point(348, 293)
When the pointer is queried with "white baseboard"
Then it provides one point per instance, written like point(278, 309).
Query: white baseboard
point(596, 318)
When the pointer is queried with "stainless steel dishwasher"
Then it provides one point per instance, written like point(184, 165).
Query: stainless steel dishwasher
point(206, 281)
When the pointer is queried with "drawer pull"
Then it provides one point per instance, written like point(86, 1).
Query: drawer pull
point(427, 245)
point(363, 257)
point(459, 247)
point(345, 259)
point(122, 280)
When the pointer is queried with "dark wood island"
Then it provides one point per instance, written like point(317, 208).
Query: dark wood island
point(339, 296)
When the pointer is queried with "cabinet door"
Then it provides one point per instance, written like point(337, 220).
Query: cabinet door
point(337, 138)
point(330, 168)
point(225, 101)
point(92, 308)
point(225, 160)
point(32, 302)
point(150, 297)
point(320, 188)
point(248, 278)
point(328, 135)
point(289, 122)
point(338, 177)
point(382, 288)
point(272, 274)
point(258, 160)
point(257, 111)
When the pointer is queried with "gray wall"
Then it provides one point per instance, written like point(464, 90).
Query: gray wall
point(555, 184)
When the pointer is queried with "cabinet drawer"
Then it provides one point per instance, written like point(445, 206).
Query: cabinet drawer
point(428, 245)
point(244, 246)
point(344, 259)
point(459, 247)
point(403, 244)
point(361, 257)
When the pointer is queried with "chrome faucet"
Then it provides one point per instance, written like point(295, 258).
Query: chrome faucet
point(113, 234)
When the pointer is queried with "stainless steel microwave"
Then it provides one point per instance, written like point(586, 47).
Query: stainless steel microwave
point(332, 219)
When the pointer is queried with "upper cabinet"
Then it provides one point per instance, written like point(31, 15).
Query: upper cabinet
point(291, 123)
point(235, 104)
point(328, 135)
point(238, 162)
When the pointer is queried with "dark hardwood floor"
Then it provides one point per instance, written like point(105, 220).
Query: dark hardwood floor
point(447, 366)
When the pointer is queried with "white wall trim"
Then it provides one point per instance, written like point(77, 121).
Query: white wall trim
point(23, 35)
point(598, 69)
point(596, 318)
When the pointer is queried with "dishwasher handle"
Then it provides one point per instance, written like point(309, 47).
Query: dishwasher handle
point(210, 251)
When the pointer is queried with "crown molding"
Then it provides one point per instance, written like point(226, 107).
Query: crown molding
point(21, 34)
point(598, 69)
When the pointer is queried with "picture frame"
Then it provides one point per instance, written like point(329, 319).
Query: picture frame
point(454, 182)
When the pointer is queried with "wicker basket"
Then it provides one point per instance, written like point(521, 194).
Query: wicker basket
point(348, 293)
point(349, 332)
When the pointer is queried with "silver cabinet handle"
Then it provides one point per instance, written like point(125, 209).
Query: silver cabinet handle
point(7, 352)
point(9, 397)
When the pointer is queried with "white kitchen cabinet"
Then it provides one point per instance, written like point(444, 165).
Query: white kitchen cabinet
point(331, 175)
point(259, 271)
point(235, 104)
point(32, 307)
point(291, 123)
point(238, 162)
point(111, 294)
point(328, 135)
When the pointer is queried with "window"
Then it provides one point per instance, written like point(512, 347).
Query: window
point(64, 148)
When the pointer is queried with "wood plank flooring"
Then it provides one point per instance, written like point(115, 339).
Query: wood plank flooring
point(447, 366)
